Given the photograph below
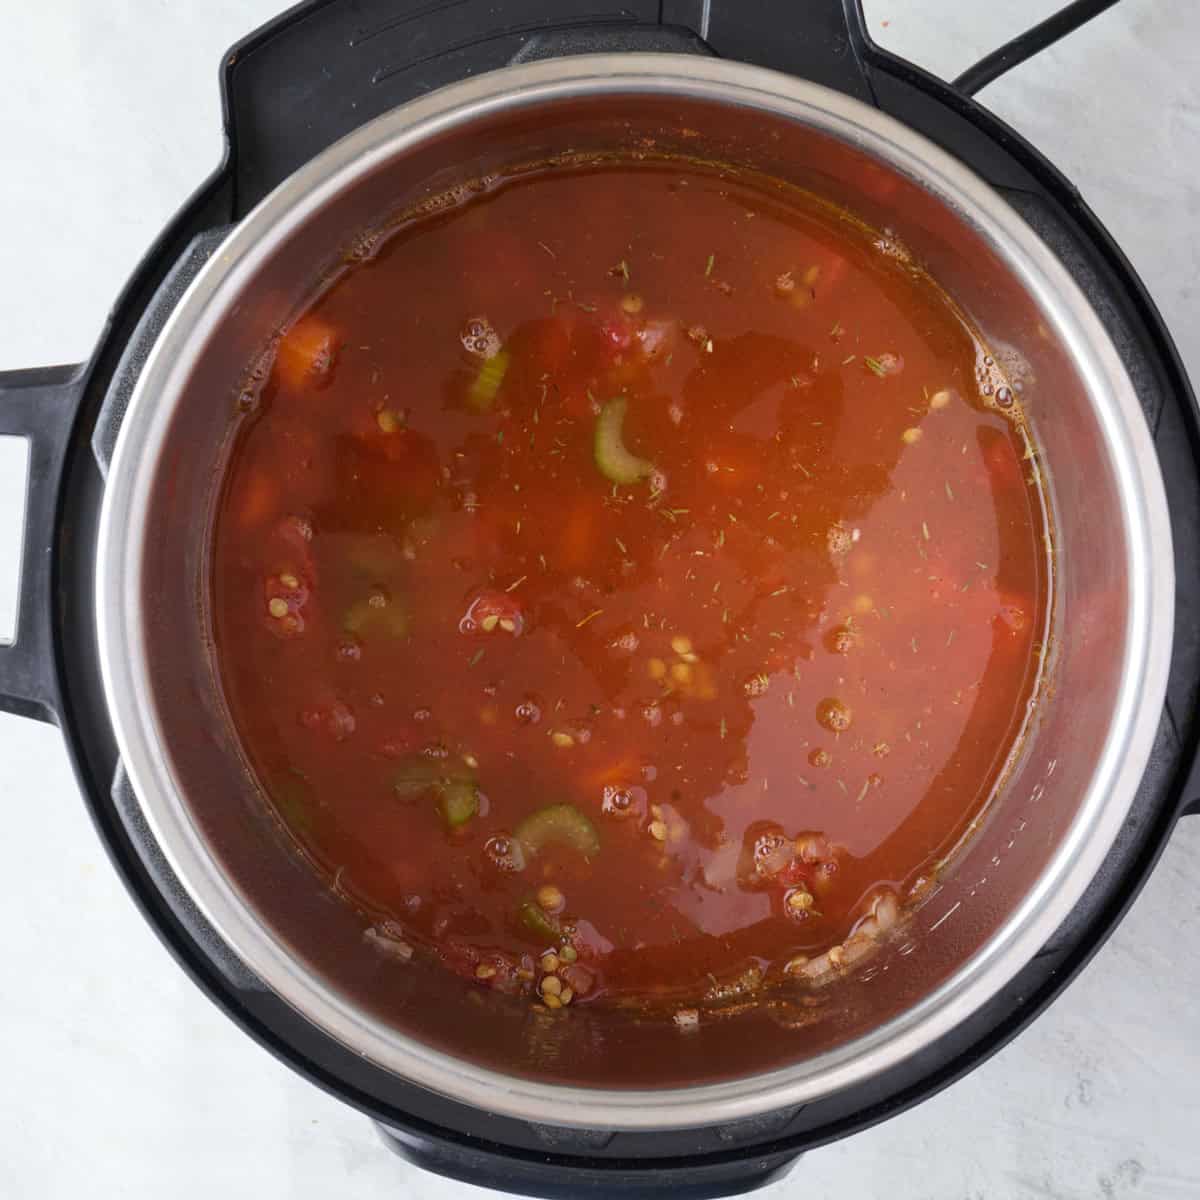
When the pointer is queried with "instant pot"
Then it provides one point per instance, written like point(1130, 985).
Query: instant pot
point(342, 109)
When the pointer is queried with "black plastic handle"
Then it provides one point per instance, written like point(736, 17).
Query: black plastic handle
point(295, 86)
point(559, 1177)
point(39, 405)
point(824, 41)
point(1191, 790)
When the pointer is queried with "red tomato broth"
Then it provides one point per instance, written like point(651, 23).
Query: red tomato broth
point(414, 567)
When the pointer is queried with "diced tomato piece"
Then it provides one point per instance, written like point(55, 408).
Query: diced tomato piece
point(734, 463)
point(1001, 461)
point(885, 363)
point(832, 270)
point(770, 859)
point(415, 455)
point(1014, 619)
point(257, 497)
point(618, 333)
point(403, 742)
point(818, 279)
point(285, 597)
point(496, 971)
point(335, 720)
point(305, 355)
point(793, 874)
point(657, 337)
point(575, 540)
point(296, 532)
point(626, 337)
point(288, 587)
point(388, 488)
point(493, 612)
point(579, 978)
point(547, 343)
point(824, 877)
point(384, 434)
point(290, 546)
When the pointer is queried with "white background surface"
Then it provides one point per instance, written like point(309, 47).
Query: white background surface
point(119, 1079)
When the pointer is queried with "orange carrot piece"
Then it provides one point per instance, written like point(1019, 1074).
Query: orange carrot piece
point(257, 501)
point(306, 354)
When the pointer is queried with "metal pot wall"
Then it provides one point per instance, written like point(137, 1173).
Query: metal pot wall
point(1045, 836)
point(599, 1105)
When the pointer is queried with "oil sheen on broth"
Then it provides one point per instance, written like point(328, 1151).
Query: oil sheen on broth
point(629, 583)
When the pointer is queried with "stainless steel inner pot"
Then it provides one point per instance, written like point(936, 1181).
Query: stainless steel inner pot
point(1045, 834)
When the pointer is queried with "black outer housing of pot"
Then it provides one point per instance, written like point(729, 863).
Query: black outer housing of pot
point(291, 89)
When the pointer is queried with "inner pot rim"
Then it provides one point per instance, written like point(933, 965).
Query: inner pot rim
point(1118, 767)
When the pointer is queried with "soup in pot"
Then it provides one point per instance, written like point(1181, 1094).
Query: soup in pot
point(630, 584)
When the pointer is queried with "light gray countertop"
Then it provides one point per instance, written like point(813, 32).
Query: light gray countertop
point(121, 1080)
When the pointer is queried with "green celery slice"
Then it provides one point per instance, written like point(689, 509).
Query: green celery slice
point(561, 825)
point(459, 801)
point(614, 460)
point(485, 387)
point(540, 923)
point(451, 781)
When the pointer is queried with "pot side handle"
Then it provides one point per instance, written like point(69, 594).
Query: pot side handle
point(569, 1173)
point(40, 406)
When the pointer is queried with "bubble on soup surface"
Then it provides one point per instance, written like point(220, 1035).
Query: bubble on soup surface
point(621, 801)
point(480, 338)
point(504, 853)
point(834, 715)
